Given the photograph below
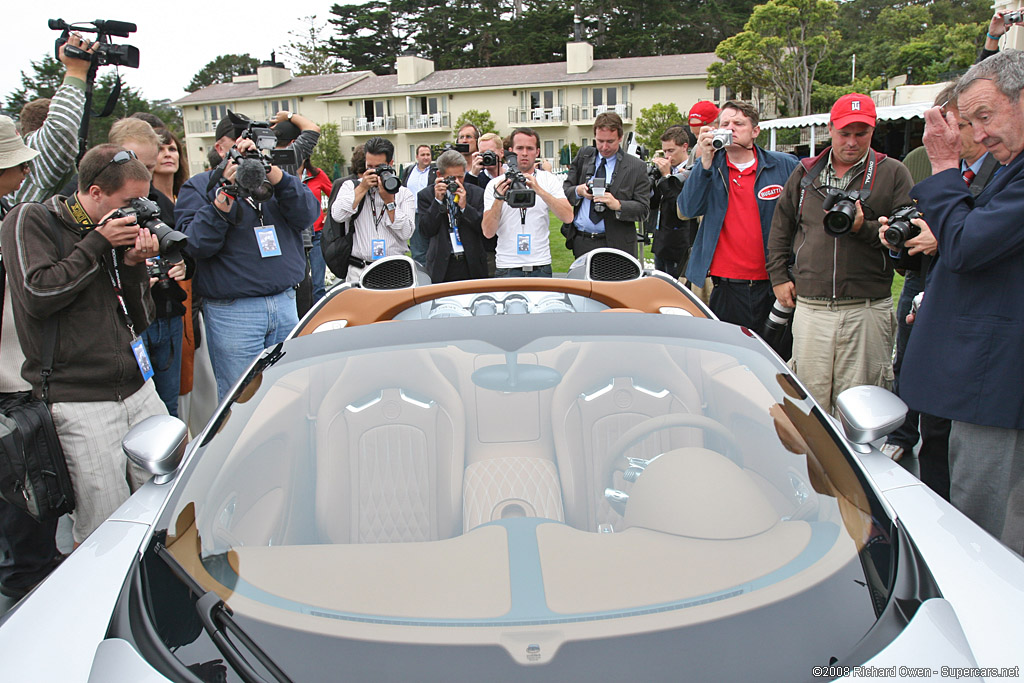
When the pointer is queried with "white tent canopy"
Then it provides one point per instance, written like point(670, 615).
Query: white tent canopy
point(899, 112)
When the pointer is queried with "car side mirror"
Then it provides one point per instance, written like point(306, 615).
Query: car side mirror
point(868, 413)
point(157, 445)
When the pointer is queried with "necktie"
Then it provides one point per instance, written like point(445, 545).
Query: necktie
point(596, 216)
point(968, 177)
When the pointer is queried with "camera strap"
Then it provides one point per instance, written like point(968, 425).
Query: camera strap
point(115, 279)
point(811, 176)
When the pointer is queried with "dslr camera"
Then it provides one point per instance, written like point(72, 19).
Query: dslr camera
point(518, 196)
point(488, 158)
point(721, 138)
point(840, 211)
point(147, 215)
point(900, 229)
point(389, 182)
point(453, 184)
point(106, 52)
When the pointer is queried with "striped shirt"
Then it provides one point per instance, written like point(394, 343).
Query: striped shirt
point(373, 222)
point(57, 144)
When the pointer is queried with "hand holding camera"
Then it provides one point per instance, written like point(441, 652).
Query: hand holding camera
point(704, 146)
point(843, 212)
point(907, 231)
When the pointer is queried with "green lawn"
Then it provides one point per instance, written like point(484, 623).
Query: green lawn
point(561, 258)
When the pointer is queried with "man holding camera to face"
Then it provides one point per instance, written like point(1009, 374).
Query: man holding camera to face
point(674, 235)
point(825, 258)
point(735, 186)
point(75, 259)
point(382, 210)
point(244, 222)
point(450, 213)
point(610, 191)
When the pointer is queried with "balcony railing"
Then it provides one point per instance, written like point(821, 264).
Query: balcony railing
point(360, 124)
point(202, 127)
point(537, 115)
point(584, 112)
point(438, 121)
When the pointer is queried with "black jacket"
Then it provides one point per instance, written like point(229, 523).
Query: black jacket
point(434, 226)
point(674, 235)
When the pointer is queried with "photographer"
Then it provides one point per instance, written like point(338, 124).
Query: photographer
point(523, 232)
point(94, 278)
point(382, 220)
point(481, 171)
point(735, 187)
point(610, 191)
point(450, 216)
point(674, 235)
point(469, 135)
point(840, 280)
point(248, 251)
point(416, 177)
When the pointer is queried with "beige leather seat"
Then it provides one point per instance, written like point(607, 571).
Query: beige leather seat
point(636, 382)
point(390, 442)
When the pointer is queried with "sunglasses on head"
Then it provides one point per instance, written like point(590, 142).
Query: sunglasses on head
point(122, 157)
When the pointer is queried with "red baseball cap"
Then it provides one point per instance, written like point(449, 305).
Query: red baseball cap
point(853, 108)
point(703, 113)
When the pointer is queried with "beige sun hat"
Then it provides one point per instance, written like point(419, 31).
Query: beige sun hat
point(13, 151)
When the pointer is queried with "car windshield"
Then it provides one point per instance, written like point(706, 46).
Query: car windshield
point(487, 481)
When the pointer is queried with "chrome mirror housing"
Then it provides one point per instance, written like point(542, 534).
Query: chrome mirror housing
point(157, 445)
point(868, 413)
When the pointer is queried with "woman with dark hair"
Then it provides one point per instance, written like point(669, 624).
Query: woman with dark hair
point(171, 170)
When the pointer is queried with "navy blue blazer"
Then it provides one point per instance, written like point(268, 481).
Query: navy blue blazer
point(965, 359)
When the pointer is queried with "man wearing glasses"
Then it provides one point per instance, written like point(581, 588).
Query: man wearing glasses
point(68, 261)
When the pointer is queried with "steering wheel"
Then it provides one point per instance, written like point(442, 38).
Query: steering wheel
point(638, 433)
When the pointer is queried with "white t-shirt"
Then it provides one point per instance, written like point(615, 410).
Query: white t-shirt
point(524, 244)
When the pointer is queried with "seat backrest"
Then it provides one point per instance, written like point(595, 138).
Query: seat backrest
point(390, 440)
point(637, 382)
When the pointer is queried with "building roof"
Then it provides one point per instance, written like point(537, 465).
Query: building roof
point(247, 90)
point(492, 77)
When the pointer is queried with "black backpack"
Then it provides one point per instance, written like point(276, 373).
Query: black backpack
point(336, 238)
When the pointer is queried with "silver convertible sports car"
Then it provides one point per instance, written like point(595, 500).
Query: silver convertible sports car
point(586, 478)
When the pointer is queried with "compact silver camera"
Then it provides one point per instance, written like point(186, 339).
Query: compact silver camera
point(722, 138)
point(1014, 17)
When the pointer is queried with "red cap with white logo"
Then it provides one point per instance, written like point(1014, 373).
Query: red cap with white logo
point(853, 108)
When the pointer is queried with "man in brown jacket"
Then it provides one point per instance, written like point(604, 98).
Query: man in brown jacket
point(839, 280)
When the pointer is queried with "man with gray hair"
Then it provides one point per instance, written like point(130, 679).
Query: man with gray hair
point(963, 360)
point(450, 213)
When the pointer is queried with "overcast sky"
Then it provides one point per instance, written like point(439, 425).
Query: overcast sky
point(175, 39)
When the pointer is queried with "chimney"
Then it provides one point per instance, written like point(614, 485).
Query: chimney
point(579, 54)
point(413, 69)
point(272, 73)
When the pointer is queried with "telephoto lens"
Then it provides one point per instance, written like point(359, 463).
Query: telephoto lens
point(776, 329)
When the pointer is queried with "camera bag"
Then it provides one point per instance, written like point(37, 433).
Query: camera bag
point(33, 472)
point(336, 238)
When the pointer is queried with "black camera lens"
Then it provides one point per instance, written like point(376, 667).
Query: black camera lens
point(900, 229)
point(489, 158)
point(839, 220)
point(389, 182)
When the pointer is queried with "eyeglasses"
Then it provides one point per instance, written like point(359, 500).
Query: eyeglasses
point(122, 157)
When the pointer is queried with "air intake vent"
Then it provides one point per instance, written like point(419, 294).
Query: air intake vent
point(392, 273)
point(614, 266)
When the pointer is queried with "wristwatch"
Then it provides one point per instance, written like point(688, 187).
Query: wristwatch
point(390, 206)
point(290, 115)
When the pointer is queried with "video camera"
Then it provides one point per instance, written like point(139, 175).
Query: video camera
point(438, 150)
point(840, 211)
point(147, 215)
point(900, 229)
point(254, 165)
point(106, 52)
point(518, 195)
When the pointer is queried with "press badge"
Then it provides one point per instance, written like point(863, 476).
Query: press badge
point(456, 241)
point(376, 249)
point(266, 238)
point(142, 358)
point(523, 243)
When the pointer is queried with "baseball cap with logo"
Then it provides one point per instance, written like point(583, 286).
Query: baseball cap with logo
point(853, 108)
point(13, 150)
point(702, 113)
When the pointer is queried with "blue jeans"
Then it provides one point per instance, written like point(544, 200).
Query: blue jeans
point(538, 271)
point(317, 268)
point(239, 329)
point(163, 344)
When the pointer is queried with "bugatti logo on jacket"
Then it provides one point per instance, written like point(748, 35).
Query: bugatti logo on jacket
point(770, 192)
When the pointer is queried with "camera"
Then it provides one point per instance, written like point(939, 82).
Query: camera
point(1014, 17)
point(147, 215)
point(900, 229)
point(106, 52)
point(438, 150)
point(518, 196)
point(453, 183)
point(389, 182)
point(160, 269)
point(489, 158)
point(721, 138)
point(596, 186)
point(254, 164)
point(840, 211)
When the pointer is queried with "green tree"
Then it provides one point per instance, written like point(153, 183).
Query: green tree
point(47, 75)
point(826, 94)
point(310, 51)
point(222, 69)
point(779, 49)
point(370, 36)
point(653, 121)
point(327, 154)
point(481, 119)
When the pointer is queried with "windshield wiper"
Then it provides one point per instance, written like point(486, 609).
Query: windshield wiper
point(219, 622)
